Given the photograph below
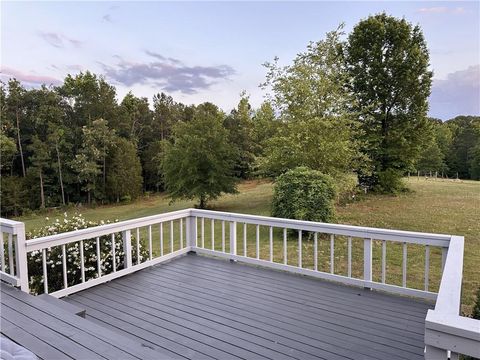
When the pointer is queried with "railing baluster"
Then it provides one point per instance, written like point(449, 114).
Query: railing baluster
point(138, 246)
point(384, 261)
point(367, 260)
point(45, 273)
point(114, 258)
point(161, 239)
point(332, 253)
point(427, 266)
point(299, 248)
point(64, 266)
point(99, 260)
point(285, 249)
point(404, 265)
point(171, 235)
point(244, 239)
point(203, 232)
point(10, 254)
point(2, 253)
point(315, 252)
point(212, 224)
point(82, 262)
point(223, 236)
point(257, 241)
point(349, 255)
point(150, 249)
point(233, 237)
point(271, 242)
point(181, 233)
point(127, 248)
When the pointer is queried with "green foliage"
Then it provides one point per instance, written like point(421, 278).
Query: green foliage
point(8, 149)
point(54, 255)
point(389, 181)
point(304, 194)
point(346, 187)
point(14, 197)
point(199, 164)
point(240, 126)
point(317, 128)
point(124, 172)
point(388, 61)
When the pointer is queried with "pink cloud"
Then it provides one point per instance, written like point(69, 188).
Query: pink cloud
point(32, 79)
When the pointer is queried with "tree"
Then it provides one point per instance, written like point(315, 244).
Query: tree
point(240, 126)
point(40, 162)
point(124, 179)
point(265, 126)
point(199, 163)
point(316, 128)
point(387, 60)
point(8, 149)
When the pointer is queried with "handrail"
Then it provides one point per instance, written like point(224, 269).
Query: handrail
point(440, 240)
point(101, 230)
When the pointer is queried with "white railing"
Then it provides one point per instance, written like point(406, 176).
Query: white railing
point(283, 244)
point(13, 260)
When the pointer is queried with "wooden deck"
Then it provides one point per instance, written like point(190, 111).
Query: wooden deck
point(202, 308)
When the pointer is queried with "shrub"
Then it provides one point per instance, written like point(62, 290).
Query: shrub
point(390, 182)
point(347, 187)
point(54, 255)
point(304, 194)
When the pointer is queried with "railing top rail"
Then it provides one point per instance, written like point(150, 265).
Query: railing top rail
point(101, 230)
point(10, 226)
point(450, 292)
point(441, 240)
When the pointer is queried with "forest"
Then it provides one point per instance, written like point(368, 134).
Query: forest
point(78, 144)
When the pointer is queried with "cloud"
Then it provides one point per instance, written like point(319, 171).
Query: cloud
point(458, 94)
point(59, 40)
point(441, 10)
point(167, 73)
point(31, 79)
point(107, 18)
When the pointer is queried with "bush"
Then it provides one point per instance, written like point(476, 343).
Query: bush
point(304, 194)
point(347, 187)
point(389, 182)
point(54, 255)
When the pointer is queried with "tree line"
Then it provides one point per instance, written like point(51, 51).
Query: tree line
point(349, 104)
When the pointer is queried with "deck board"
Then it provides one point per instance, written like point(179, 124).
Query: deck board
point(202, 308)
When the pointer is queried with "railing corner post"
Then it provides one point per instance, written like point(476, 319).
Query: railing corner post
point(127, 248)
point(233, 237)
point(433, 353)
point(367, 261)
point(21, 258)
point(191, 234)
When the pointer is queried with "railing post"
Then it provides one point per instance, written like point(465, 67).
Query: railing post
point(127, 248)
point(233, 237)
point(21, 257)
point(367, 260)
point(191, 233)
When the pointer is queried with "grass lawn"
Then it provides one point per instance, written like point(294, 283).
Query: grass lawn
point(433, 206)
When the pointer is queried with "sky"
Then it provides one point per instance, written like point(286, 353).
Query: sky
point(212, 51)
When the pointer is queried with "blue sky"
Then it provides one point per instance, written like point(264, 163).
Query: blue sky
point(211, 51)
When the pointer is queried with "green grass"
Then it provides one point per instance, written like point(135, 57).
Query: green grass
point(441, 206)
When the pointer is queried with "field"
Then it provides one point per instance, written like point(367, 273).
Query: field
point(451, 207)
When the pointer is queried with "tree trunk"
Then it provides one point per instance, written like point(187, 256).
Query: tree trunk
point(60, 173)
point(202, 202)
point(20, 143)
point(42, 195)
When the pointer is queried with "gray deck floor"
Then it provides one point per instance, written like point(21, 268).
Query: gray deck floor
point(202, 308)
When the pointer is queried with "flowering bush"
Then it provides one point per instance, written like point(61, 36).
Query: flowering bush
point(72, 251)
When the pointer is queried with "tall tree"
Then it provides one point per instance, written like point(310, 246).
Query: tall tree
point(316, 127)
point(388, 63)
point(199, 164)
point(15, 103)
point(240, 126)
point(40, 162)
point(124, 177)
